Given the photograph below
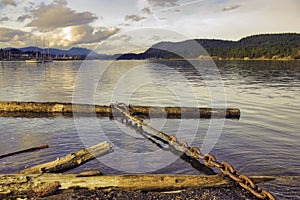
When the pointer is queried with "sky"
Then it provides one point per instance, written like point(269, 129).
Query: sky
point(120, 26)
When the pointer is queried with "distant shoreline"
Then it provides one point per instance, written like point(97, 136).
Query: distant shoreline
point(285, 46)
point(226, 59)
point(157, 59)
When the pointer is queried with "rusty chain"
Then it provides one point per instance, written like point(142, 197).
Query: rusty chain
point(208, 159)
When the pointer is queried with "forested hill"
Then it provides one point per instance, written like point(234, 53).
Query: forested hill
point(264, 46)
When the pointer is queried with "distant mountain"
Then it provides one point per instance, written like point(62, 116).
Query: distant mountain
point(263, 46)
point(80, 53)
point(73, 53)
point(53, 51)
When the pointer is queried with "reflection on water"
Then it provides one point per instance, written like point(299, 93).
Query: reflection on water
point(265, 141)
point(37, 81)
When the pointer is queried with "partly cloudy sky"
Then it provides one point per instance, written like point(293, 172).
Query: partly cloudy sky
point(130, 26)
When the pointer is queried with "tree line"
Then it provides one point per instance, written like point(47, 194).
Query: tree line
point(263, 46)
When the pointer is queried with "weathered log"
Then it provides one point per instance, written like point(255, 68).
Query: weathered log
point(103, 110)
point(25, 185)
point(70, 161)
point(25, 151)
point(50, 107)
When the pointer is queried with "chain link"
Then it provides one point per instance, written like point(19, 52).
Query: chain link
point(208, 159)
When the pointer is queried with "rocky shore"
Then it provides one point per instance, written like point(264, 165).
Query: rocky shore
point(213, 193)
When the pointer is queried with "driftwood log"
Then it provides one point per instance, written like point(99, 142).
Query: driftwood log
point(30, 185)
point(24, 151)
point(70, 161)
point(19, 108)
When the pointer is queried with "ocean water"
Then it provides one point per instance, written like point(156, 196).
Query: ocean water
point(264, 141)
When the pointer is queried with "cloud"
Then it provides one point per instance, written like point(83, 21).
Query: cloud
point(119, 44)
point(155, 38)
point(135, 18)
point(22, 18)
point(4, 19)
point(57, 15)
point(7, 34)
point(82, 34)
point(15, 37)
point(62, 26)
point(88, 35)
point(232, 7)
point(62, 37)
point(8, 2)
point(163, 3)
point(146, 10)
point(147, 6)
point(61, 2)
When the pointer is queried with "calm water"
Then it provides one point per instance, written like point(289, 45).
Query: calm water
point(264, 141)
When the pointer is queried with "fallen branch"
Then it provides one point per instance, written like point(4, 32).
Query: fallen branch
point(24, 151)
point(70, 161)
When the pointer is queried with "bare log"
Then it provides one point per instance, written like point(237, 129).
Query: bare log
point(70, 161)
point(184, 112)
point(20, 184)
point(24, 151)
point(21, 108)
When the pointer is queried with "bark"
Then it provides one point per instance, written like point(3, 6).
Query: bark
point(70, 161)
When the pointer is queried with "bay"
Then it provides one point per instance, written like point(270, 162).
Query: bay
point(264, 141)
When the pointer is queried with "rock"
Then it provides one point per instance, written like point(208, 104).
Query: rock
point(47, 189)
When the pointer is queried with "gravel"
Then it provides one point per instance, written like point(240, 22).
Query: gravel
point(224, 193)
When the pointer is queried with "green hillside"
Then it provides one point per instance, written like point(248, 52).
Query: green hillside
point(264, 46)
